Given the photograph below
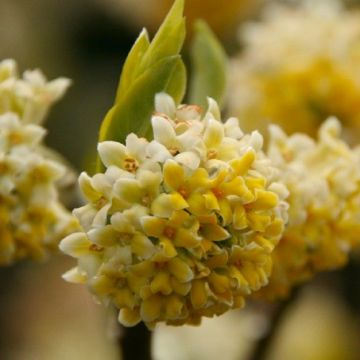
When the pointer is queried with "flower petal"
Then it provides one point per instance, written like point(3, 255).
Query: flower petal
point(151, 308)
point(189, 159)
point(180, 269)
point(112, 153)
point(164, 132)
point(214, 133)
point(75, 245)
point(128, 317)
point(173, 175)
point(153, 226)
point(165, 104)
point(164, 205)
point(128, 190)
point(136, 146)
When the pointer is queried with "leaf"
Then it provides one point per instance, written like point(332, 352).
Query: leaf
point(169, 38)
point(209, 64)
point(168, 41)
point(150, 68)
point(120, 121)
point(131, 65)
point(177, 82)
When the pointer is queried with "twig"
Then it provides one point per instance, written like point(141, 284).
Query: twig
point(264, 344)
point(135, 343)
point(350, 285)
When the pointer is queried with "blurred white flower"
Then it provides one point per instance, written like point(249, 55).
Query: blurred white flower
point(29, 96)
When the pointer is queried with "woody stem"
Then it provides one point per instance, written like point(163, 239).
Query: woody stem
point(135, 343)
point(263, 346)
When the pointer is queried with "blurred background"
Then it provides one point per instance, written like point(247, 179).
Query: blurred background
point(44, 318)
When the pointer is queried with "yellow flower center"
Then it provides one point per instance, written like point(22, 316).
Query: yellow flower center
point(146, 199)
point(15, 138)
point(4, 168)
point(101, 202)
point(212, 154)
point(94, 247)
point(125, 237)
point(174, 151)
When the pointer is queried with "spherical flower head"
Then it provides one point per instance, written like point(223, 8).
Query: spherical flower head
point(182, 226)
point(30, 96)
point(323, 178)
point(32, 220)
point(299, 63)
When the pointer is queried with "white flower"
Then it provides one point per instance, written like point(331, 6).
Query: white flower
point(30, 96)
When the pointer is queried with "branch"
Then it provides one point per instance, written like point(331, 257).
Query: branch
point(135, 343)
point(264, 344)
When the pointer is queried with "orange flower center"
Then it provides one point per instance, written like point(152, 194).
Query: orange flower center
point(183, 192)
point(169, 232)
point(130, 165)
point(95, 247)
point(212, 154)
point(218, 193)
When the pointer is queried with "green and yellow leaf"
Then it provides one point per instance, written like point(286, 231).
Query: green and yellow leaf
point(150, 68)
point(119, 121)
point(131, 66)
point(209, 67)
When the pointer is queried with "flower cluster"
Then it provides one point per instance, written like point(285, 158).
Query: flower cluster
point(31, 96)
point(180, 227)
point(323, 178)
point(32, 220)
point(299, 66)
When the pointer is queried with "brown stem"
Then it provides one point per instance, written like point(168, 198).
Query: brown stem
point(264, 344)
point(135, 343)
point(350, 286)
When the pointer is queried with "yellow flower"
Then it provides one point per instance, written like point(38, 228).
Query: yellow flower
point(299, 66)
point(323, 178)
point(186, 233)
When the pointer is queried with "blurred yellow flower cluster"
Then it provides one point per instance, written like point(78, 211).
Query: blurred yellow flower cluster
point(323, 178)
point(299, 66)
point(180, 227)
point(150, 13)
point(32, 220)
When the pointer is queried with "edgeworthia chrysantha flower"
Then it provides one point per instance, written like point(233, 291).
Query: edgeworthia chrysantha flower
point(182, 226)
point(29, 96)
point(323, 178)
point(299, 66)
point(32, 219)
